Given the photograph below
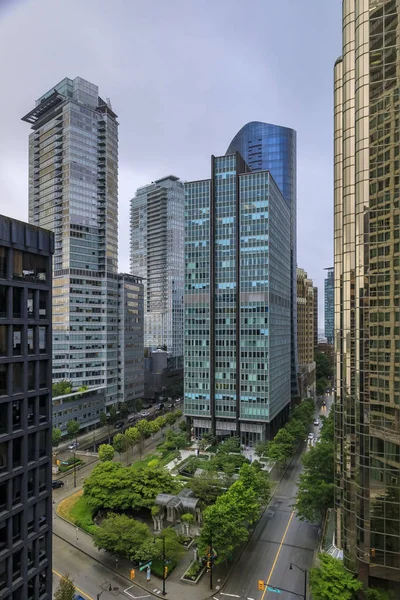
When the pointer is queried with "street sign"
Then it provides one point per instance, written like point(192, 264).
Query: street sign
point(273, 589)
point(261, 584)
point(132, 573)
point(143, 567)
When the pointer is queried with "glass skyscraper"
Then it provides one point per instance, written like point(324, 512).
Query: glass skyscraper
point(237, 302)
point(267, 147)
point(329, 314)
point(73, 191)
point(157, 255)
point(367, 291)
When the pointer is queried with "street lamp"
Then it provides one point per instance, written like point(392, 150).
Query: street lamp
point(291, 565)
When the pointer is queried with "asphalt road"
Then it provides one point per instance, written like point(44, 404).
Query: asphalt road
point(90, 578)
point(280, 538)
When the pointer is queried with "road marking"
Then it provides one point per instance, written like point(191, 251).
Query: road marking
point(77, 589)
point(277, 556)
point(131, 595)
point(230, 595)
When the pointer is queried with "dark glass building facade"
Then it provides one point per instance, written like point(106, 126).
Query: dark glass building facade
point(329, 309)
point(272, 148)
point(25, 411)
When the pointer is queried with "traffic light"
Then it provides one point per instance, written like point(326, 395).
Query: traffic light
point(208, 566)
point(165, 572)
point(132, 573)
point(373, 552)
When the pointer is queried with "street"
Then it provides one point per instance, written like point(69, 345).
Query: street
point(279, 539)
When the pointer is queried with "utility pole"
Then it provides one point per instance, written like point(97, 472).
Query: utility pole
point(165, 568)
point(76, 444)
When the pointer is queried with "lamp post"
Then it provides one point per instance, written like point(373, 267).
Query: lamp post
point(291, 565)
point(164, 566)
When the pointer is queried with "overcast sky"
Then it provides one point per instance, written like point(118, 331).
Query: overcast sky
point(183, 76)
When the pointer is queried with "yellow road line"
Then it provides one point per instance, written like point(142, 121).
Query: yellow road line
point(77, 589)
point(277, 556)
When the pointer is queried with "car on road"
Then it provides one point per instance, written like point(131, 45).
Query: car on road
point(178, 400)
point(57, 484)
point(73, 446)
point(170, 405)
point(323, 403)
point(310, 436)
point(144, 414)
point(160, 406)
point(316, 422)
point(78, 597)
point(119, 425)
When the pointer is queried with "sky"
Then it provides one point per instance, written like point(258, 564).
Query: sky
point(183, 76)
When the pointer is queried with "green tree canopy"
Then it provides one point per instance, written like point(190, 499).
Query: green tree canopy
point(113, 415)
point(138, 404)
point(103, 418)
point(66, 589)
point(116, 487)
point(324, 367)
point(72, 428)
point(377, 594)
point(321, 386)
point(123, 410)
point(120, 443)
point(56, 437)
point(122, 535)
point(207, 487)
point(332, 581)
point(231, 444)
point(61, 388)
point(106, 452)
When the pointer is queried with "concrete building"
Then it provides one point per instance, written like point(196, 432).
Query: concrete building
point(157, 255)
point(130, 338)
point(315, 318)
point(267, 147)
point(84, 407)
point(25, 411)
point(73, 191)
point(305, 334)
point(237, 302)
point(329, 305)
point(367, 292)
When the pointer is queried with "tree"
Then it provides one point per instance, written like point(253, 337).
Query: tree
point(173, 548)
point(66, 589)
point(106, 452)
point(83, 388)
point(377, 594)
point(207, 487)
point(113, 415)
point(135, 439)
point(55, 437)
point(324, 367)
point(161, 422)
point(72, 428)
point(332, 581)
point(281, 448)
point(231, 444)
point(103, 418)
point(138, 404)
point(182, 427)
point(315, 492)
point(187, 518)
point(262, 449)
point(122, 535)
point(120, 444)
point(321, 386)
point(175, 440)
point(61, 388)
point(296, 429)
point(123, 410)
point(203, 444)
point(258, 481)
point(171, 419)
point(115, 487)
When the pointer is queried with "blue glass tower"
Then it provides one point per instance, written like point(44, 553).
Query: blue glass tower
point(267, 147)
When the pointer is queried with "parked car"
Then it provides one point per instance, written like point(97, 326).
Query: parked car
point(310, 436)
point(78, 597)
point(178, 400)
point(132, 418)
point(144, 414)
point(160, 406)
point(316, 422)
point(119, 425)
point(73, 446)
point(57, 484)
point(170, 405)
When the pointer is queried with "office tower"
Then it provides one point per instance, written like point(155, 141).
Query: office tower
point(267, 147)
point(25, 411)
point(157, 255)
point(367, 291)
point(73, 191)
point(130, 338)
point(329, 302)
point(315, 317)
point(237, 302)
point(305, 334)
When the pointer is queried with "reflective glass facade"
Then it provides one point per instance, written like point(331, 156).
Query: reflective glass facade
point(367, 291)
point(73, 191)
point(305, 334)
point(237, 301)
point(329, 311)
point(25, 411)
point(157, 255)
point(267, 147)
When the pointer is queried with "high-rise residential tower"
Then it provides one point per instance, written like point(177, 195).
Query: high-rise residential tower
point(237, 302)
point(305, 333)
point(266, 147)
point(367, 291)
point(315, 317)
point(25, 411)
point(329, 301)
point(157, 256)
point(73, 191)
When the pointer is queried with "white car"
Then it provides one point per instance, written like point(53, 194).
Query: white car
point(316, 422)
point(310, 436)
point(73, 446)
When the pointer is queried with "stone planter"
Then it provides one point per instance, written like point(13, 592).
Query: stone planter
point(197, 579)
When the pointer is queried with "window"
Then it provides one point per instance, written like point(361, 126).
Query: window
point(17, 340)
point(17, 382)
point(17, 264)
point(3, 263)
point(3, 340)
point(16, 414)
point(42, 340)
point(31, 340)
point(30, 304)
point(3, 302)
point(3, 379)
point(16, 452)
point(43, 304)
point(43, 374)
point(31, 377)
